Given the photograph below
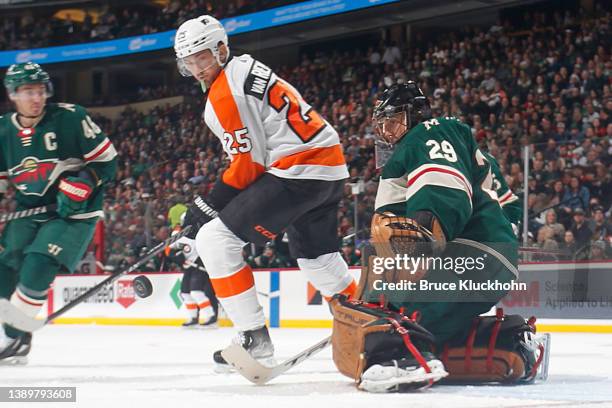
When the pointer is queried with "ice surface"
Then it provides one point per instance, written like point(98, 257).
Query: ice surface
point(170, 367)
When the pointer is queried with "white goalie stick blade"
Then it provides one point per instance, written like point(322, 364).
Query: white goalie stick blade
point(12, 316)
point(258, 373)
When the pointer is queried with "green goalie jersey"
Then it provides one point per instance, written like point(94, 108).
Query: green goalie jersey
point(64, 141)
point(507, 199)
point(438, 167)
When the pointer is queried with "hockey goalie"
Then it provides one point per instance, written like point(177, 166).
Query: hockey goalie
point(435, 200)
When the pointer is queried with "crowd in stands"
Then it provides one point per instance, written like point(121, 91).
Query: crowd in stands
point(547, 85)
point(43, 30)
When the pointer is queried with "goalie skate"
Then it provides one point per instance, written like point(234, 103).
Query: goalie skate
point(400, 376)
point(537, 353)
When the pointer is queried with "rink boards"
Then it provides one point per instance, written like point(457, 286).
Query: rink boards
point(565, 297)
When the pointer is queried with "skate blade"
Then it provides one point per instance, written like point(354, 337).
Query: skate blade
point(14, 361)
point(542, 373)
point(413, 381)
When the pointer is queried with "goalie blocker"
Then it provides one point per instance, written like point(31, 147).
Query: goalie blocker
point(486, 349)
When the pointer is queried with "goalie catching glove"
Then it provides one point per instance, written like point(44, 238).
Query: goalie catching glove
point(393, 236)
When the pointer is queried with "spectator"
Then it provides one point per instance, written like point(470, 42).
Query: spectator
point(350, 254)
point(580, 229)
point(270, 259)
point(576, 196)
point(602, 229)
point(554, 230)
point(569, 246)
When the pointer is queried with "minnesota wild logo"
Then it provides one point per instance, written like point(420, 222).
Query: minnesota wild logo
point(32, 176)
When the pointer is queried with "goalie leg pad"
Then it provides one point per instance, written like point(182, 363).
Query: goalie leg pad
point(368, 338)
point(498, 348)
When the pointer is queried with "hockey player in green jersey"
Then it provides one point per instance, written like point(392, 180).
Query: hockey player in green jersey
point(51, 153)
point(435, 200)
point(508, 201)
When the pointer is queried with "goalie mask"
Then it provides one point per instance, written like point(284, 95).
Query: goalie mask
point(399, 109)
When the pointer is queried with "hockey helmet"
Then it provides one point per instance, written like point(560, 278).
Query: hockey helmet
point(26, 73)
point(198, 34)
point(404, 98)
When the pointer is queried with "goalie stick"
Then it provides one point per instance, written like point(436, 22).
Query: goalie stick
point(260, 374)
point(27, 213)
point(12, 316)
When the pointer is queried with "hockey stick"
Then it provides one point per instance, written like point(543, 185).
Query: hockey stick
point(12, 316)
point(259, 374)
point(27, 213)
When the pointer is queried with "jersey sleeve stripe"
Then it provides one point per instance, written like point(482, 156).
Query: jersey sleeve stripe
point(322, 156)
point(234, 284)
point(507, 198)
point(3, 186)
point(242, 170)
point(444, 176)
point(437, 179)
point(98, 150)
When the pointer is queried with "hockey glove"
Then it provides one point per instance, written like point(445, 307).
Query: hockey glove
point(73, 195)
point(197, 215)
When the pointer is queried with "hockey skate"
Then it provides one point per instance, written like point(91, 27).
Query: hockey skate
point(257, 342)
point(402, 375)
point(210, 323)
point(15, 351)
point(193, 322)
point(536, 352)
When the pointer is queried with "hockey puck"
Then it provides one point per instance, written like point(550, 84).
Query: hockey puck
point(142, 286)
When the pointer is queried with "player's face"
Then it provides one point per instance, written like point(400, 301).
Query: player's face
point(30, 99)
point(391, 128)
point(203, 66)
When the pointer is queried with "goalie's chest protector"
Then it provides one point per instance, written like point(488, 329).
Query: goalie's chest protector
point(438, 167)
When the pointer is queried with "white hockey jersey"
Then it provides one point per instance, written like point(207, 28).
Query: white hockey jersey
point(265, 125)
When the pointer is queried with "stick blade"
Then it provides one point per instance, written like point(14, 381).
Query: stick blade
point(12, 316)
point(246, 365)
point(260, 374)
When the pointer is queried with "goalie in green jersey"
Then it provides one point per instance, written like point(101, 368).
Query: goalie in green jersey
point(442, 253)
point(50, 153)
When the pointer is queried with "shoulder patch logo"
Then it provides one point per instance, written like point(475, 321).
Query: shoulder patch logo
point(257, 80)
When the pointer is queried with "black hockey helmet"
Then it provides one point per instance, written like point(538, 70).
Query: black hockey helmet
point(406, 97)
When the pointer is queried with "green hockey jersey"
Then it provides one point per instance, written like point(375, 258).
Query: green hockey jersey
point(64, 141)
point(507, 199)
point(438, 167)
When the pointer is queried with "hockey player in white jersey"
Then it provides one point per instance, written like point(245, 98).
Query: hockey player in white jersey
point(287, 173)
point(201, 306)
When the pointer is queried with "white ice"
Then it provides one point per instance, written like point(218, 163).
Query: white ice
point(170, 367)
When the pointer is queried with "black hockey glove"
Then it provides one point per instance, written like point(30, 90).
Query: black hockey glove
point(198, 214)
